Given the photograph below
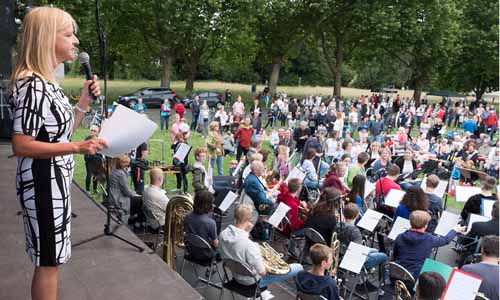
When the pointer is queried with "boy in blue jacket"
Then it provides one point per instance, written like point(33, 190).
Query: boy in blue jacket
point(412, 247)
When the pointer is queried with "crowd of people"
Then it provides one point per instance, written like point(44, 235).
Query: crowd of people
point(340, 147)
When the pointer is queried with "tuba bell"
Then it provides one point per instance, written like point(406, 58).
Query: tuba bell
point(177, 208)
point(401, 291)
point(273, 260)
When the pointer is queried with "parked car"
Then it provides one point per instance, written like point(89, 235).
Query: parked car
point(213, 98)
point(152, 97)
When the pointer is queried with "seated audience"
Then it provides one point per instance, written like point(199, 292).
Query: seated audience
point(312, 179)
point(473, 204)
point(120, 195)
point(384, 161)
point(488, 268)
point(322, 216)
point(430, 286)
point(235, 244)
point(200, 221)
point(316, 281)
point(412, 247)
point(414, 199)
point(155, 200)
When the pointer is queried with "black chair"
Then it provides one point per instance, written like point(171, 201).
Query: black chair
point(304, 296)
point(199, 252)
point(313, 237)
point(398, 272)
point(236, 268)
point(153, 228)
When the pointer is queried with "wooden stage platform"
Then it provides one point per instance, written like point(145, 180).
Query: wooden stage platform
point(105, 268)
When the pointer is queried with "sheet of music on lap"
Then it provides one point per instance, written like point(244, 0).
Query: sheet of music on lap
point(439, 190)
point(278, 214)
point(354, 258)
point(463, 193)
point(462, 286)
point(394, 197)
point(370, 220)
point(228, 200)
point(487, 207)
point(369, 187)
point(296, 173)
point(447, 221)
point(473, 218)
point(400, 226)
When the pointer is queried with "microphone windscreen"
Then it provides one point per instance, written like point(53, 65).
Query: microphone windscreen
point(84, 58)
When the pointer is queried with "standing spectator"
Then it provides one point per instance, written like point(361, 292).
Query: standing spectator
point(238, 107)
point(175, 126)
point(221, 117)
point(91, 159)
point(138, 166)
point(204, 118)
point(179, 108)
point(215, 145)
point(181, 177)
point(140, 107)
point(293, 108)
point(195, 112)
point(300, 135)
point(492, 122)
point(164, 114)
point(227, 97)
point(243, 135)
point(256, 123)
point(202, 180)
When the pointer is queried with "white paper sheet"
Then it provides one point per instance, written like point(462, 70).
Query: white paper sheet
point(394, 197)
point(182, 151)
point(473, 218)
point(462, 286)
point(400, 226)
point(486, 207)
point(354, 258)
point(125, 130)
point(463, 193)
point(369, 187)
point(447, 221)
point(370, 220)
point(296, 173)
point(228, 200)
point(278, 214)
point(439, 190)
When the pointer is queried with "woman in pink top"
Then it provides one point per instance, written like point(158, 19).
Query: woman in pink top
point(175, 126)
point(238, 107)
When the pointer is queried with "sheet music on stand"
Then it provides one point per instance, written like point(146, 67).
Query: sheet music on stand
point(354, 258)
point(394, 197)
point(278, 214)
point(370, 220)
point(462, 286)
point(228, 200)
point(486, 207)
point(439, 190)
point(473, 218)
point(369, 187)
point(463, 193)
point(446, 223)
point(182, 151)
point(296, 173)
point(399, 226)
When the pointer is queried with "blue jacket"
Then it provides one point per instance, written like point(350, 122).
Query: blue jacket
point(469, 126)
point(402, 211)
point(317, 285)
point(255, 190)
point(411, 248)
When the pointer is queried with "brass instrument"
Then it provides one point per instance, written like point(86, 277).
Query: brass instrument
point(335, 246)
point(273, 260)
point(177, 208)
point(401, 292)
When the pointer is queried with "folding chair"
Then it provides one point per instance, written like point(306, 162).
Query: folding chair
point(154, 228)
point(304, 296)
point(398, 272)
point(315, 238)
point(287, 238)
point(205, 256)
point(249, 291)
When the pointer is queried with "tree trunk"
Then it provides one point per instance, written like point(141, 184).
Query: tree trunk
point(339, 60)
point(417, 92)
point(191, 74)
point(275, 74)
point(167, 61)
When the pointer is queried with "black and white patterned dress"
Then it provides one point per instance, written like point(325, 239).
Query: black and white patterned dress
point(43, 185)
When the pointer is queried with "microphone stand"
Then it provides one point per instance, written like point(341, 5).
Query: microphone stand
point(107, 226)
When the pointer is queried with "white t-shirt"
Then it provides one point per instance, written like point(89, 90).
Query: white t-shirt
point(331, 147)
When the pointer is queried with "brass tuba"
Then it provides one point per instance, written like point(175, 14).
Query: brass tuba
point(177, 208)
point(273, 260)
point(401, 291)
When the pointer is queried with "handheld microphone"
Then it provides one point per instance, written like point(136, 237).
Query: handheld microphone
point(84, 59)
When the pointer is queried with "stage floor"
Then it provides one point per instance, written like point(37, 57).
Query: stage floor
point(105, 268)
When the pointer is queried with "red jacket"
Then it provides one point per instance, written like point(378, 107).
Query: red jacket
point(245, 135)
point(386, 185)
point(491, 120)
point(293, 213)
point(179, 109)
point(332, 180)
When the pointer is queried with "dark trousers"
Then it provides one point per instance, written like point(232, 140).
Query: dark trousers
point(239, 151)
point(89, 178)
point(164, 121)
point(194, 121)
point(182, 180)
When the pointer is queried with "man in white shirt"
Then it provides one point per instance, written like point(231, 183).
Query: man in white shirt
point(154, 199)
point(235, 244)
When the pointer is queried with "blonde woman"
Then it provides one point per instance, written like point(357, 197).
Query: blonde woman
point(43, 125)
point(215, 145)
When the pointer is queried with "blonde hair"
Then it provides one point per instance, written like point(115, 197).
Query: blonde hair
point(124, 158)
point(37, 42)
point(212, 125)
point(242, 213)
